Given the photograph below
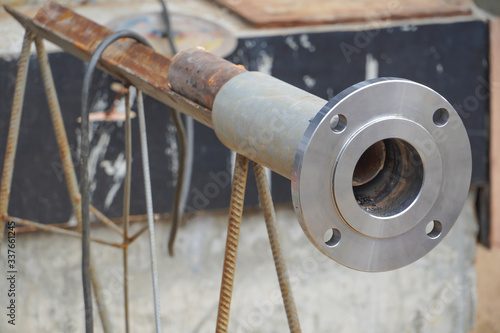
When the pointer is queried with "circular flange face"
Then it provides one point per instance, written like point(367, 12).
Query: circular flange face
point(412, 203)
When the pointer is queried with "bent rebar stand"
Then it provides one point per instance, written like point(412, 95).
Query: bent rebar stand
point(69, 173)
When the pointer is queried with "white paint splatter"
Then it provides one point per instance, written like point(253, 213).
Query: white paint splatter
point(309, 81)
point(439, 68)
point(249, 44)
point(371, 67)
point(97, 154)
point(409, 27)
point(291, 43)
point(101, 104)
point(305, 43)
point(172, 151)
point(265, 62)
point(117, 170)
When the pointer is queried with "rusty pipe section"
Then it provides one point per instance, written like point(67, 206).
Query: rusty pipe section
point(199, 75)
point(280, 113)
point(371, 174)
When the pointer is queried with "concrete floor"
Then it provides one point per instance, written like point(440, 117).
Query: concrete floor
point(436, 294)
point(488, 289)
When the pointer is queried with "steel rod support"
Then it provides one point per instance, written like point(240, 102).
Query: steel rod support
point(232, 240)
point(266, 203)
point(13, 136)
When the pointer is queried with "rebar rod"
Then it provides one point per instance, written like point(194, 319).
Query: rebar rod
point(266, 203)
point(104, 219)
point(126, 205)
point(232, 239)
point(13, 136)
point(57, 230)
point(149, 207)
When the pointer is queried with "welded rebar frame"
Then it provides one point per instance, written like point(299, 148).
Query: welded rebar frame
point(69, 172)
point(235, 214)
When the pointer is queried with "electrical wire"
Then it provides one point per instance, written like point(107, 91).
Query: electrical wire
point(84, 176)
point(186, 148)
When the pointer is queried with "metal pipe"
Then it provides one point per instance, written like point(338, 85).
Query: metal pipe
point(199, 75)
point(369, 173)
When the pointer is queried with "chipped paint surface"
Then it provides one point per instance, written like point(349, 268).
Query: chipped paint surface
point(116, 170)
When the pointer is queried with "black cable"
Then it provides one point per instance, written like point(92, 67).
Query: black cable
point(168, 27)
point(186, 149)
point(84, 175)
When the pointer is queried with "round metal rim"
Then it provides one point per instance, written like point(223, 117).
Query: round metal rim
point(312, 193)
point(394, 225)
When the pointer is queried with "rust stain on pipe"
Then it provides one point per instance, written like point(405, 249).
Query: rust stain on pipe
point(199, 75)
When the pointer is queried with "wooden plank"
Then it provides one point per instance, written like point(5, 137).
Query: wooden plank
point(495, 131)
point(281, 13)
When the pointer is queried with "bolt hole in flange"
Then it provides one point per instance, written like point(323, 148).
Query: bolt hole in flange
point(338, 123)
point(388, 178)
point(433, 229)
point(440, 117)
point(332, 237)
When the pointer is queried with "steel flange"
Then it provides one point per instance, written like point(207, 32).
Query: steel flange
point(387, 213)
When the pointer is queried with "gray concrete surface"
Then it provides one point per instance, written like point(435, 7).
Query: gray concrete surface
point(435, 294)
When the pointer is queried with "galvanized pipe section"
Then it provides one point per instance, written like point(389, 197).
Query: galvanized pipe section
point(264, 119)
